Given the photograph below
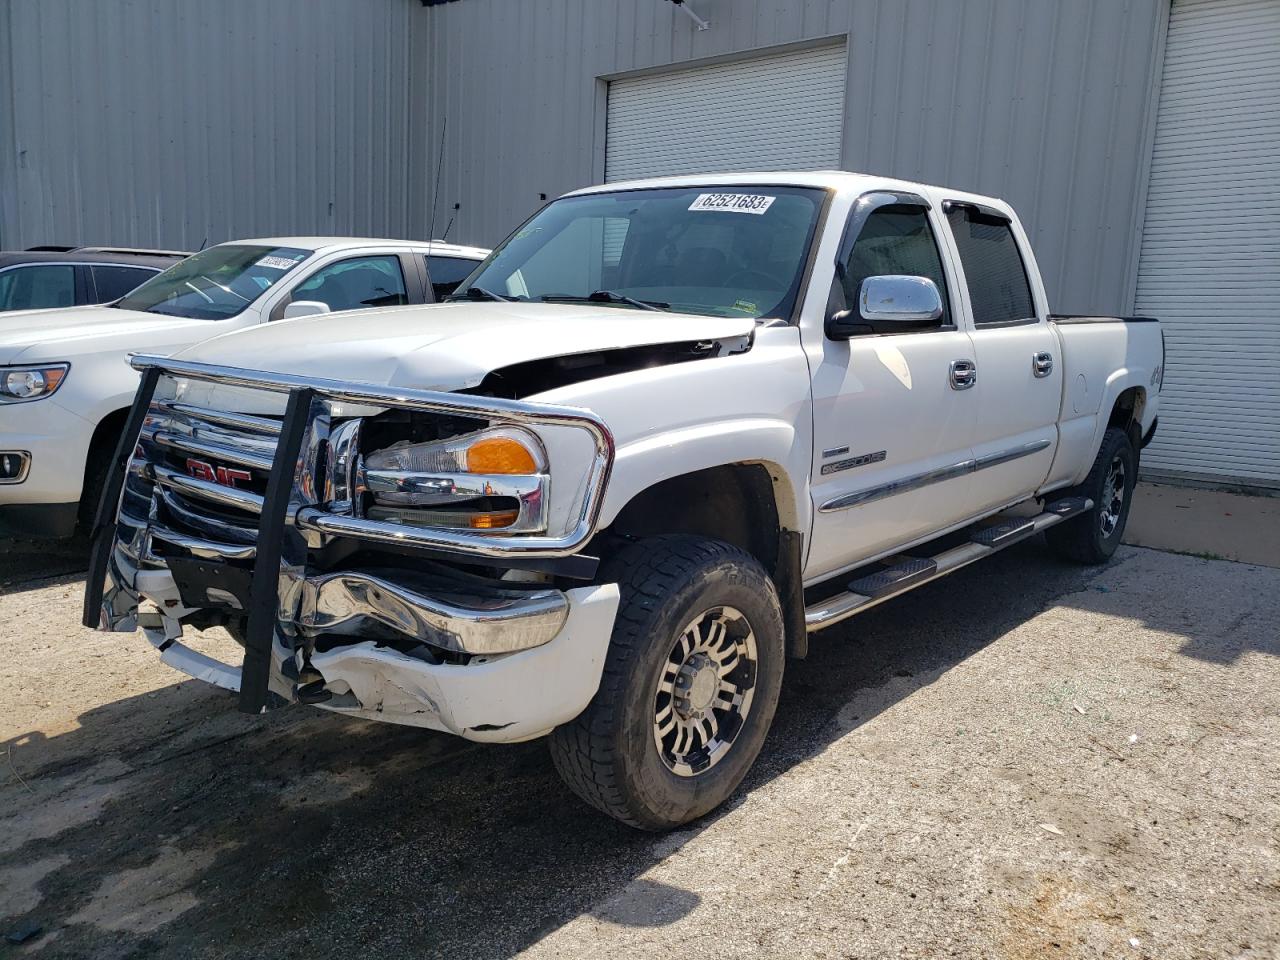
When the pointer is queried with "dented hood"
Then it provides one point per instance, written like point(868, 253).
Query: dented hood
point(450, 346)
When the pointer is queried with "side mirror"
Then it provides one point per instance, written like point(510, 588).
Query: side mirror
point(889, 304)
point(304, 308)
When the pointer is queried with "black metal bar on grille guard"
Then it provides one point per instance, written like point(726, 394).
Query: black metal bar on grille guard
point(264, 588)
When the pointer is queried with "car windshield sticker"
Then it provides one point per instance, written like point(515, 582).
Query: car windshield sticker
point(276, 263)
point(732, 202)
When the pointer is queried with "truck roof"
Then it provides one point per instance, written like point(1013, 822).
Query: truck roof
point(438, 247)
point(826, 179)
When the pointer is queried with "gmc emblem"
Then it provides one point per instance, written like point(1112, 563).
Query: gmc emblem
point(227, 477)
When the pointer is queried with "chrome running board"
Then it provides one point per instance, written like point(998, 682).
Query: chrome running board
point(985, 538)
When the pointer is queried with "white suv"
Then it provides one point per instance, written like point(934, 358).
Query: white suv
point(65, 380)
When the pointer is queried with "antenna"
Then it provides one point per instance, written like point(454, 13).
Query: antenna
point(204, 244)
point(456, 208)
point(435, 197)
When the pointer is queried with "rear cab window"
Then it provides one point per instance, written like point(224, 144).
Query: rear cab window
point(448, 272)
point(996, 277)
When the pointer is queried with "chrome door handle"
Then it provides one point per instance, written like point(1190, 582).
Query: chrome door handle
point(1042, 364)
point(964, 374)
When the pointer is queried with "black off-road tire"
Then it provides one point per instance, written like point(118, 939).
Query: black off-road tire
point(1083, 538)
point(608, 755)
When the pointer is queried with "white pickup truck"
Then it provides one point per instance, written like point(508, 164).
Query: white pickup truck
point(65, 380)
point(668, 430)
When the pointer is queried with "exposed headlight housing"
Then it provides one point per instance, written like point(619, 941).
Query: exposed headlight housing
point(489, 480)
point(24, 383)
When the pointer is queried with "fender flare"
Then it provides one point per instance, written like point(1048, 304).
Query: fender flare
point(662, 456)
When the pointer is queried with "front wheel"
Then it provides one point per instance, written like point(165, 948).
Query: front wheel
point(1093, 536)
point(690, 684)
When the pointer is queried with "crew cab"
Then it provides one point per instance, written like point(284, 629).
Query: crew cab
point(65, 382)
point(666, 432)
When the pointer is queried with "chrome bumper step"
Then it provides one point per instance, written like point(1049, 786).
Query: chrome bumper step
point(985, 538)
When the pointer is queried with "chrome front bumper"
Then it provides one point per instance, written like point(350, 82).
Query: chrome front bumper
point(535, 660)
point(499, 622)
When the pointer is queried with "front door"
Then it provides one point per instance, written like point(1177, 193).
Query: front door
point(893, 425)
point(1018, 392)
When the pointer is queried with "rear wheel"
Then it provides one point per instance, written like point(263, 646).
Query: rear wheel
point(689, 689)
point(1093, 536)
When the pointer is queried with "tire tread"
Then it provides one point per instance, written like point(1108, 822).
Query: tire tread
point(647, 573)
point(1074, 538)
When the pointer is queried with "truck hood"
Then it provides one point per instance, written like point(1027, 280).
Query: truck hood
point(451, 346)
point(31, 336)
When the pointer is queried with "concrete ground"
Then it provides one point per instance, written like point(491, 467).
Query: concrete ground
point(1207, 523)
point(1026, 759)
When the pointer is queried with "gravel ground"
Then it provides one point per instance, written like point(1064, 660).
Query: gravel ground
point(1025, 759)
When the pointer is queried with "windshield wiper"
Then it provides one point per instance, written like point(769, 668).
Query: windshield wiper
point(607, 296)
point(479, 293)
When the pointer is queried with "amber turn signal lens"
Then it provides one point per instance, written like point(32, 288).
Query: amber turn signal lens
point(500, 455)
point(492, 521)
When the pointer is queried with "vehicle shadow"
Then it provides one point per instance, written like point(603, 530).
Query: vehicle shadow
point(1245, 618)
point(187, 829)
point(27, 564)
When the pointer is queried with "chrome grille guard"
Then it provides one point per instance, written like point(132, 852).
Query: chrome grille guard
point(291, 517)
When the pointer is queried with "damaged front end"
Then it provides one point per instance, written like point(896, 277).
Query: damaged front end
point(395, 554)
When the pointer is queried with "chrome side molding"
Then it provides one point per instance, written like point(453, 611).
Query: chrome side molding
point(950, 472)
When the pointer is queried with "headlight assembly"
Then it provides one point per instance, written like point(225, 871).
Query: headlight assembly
point(20, 384)
point(492, 479)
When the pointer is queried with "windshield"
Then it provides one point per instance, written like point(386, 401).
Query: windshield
point(723, 251)
point(216, 283)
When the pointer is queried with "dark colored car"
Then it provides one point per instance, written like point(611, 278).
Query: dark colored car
point(44, 277)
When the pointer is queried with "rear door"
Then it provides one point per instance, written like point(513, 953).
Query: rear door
point(892, 431)
point(1018, 392)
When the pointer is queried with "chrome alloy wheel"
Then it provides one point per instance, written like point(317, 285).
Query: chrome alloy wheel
point(1112, 497)
point(705, 691)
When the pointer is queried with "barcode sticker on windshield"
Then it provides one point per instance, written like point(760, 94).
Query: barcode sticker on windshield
point(732, 202)
point(276, 263)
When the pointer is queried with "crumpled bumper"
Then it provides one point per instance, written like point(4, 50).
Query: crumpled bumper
point(494, 696)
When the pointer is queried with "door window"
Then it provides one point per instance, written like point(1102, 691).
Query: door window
point(112, 283)
point(896, 239)
point(993, 269)
point(447, 273)
point(38, 287)
point(356, 283)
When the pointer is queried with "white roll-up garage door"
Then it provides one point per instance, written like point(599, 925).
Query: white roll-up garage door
point(1210, 263)
point(779, 112)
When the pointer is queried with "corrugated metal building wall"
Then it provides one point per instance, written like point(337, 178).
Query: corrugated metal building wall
point(1049, 104)
point(163, 122)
